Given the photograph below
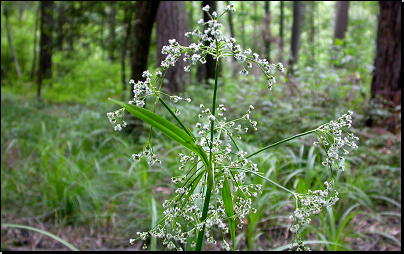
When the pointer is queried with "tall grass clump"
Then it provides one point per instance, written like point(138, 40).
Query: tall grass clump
point(215, 192)
point(63, 171)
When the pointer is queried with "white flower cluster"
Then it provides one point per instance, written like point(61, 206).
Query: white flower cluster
point(112, 116)
point(142, 89)
point(148, 153)
point(176, 209)
point(219, 46)
point(312, 203)
point(330, 136)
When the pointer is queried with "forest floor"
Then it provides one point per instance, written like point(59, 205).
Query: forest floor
point(85, 238)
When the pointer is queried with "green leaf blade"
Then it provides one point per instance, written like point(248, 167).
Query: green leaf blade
point(228, 205)
point(161, 124)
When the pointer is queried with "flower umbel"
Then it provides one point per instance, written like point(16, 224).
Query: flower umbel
point(331, 137)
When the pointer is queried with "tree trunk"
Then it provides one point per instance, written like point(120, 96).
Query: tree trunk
point(145, 15)
point(230, 21)
point(298, 17)
point(341, 24)
point(242, 21)
point(146, 12)
point(341, 20)
point(112, 35)
point(234, 64)
point(386, 80)
point(172, 22)
point(45, 55)
point(127, 23)
point(10, 43)
point(35, 44)
point(280, 53)
point(208, 70)
point(256, 45)
point(312, 28)
point(266, 32)
point(61, 20)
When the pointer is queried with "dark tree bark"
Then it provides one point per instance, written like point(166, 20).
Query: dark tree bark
point(207, 71)
point(280, 53)
point(266, 32)
point(112, 35)
point(386, 80)
point(10, 42)
point(145, 15)
point(172, 22)
point(341, 24)
point(46, 48)
point(341, 20)
point(298, 17)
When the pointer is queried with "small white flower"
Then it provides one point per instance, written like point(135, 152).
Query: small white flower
point(206, 8)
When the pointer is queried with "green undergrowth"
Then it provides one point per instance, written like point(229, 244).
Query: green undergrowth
point(61, 161)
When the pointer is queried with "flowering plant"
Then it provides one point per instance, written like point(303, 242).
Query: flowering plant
point(213, 191)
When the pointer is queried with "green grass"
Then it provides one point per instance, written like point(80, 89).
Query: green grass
point(62, 161)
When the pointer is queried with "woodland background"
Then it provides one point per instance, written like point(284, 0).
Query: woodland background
point(64, 170)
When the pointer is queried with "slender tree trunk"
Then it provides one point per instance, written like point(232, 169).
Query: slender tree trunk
point(266, 31)
point(45, 55)
point(242, 21)
point(230, 20)
point(172, 22)
point(234, 63)
point(61, 20)
point(312, 33)
point(341, 24)
point(127, 22)
point(207, 71)
point(256, 46)
point(341, 20)
point(145, 16)
point(112, 35)
point(146, 12)
point(102, 43)
point(10, 43)
point(35, 45)
point(298, 17)
point(20, 12)
point(280, 53)
point(386, 80)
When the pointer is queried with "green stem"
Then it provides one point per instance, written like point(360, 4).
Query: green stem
point(175, 117)
point(280, 142)
point(209, 168)
point(201, 234)
point(268, 180)
point(212, 124)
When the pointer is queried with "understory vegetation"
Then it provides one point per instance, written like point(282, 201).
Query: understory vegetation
point(64, 168)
